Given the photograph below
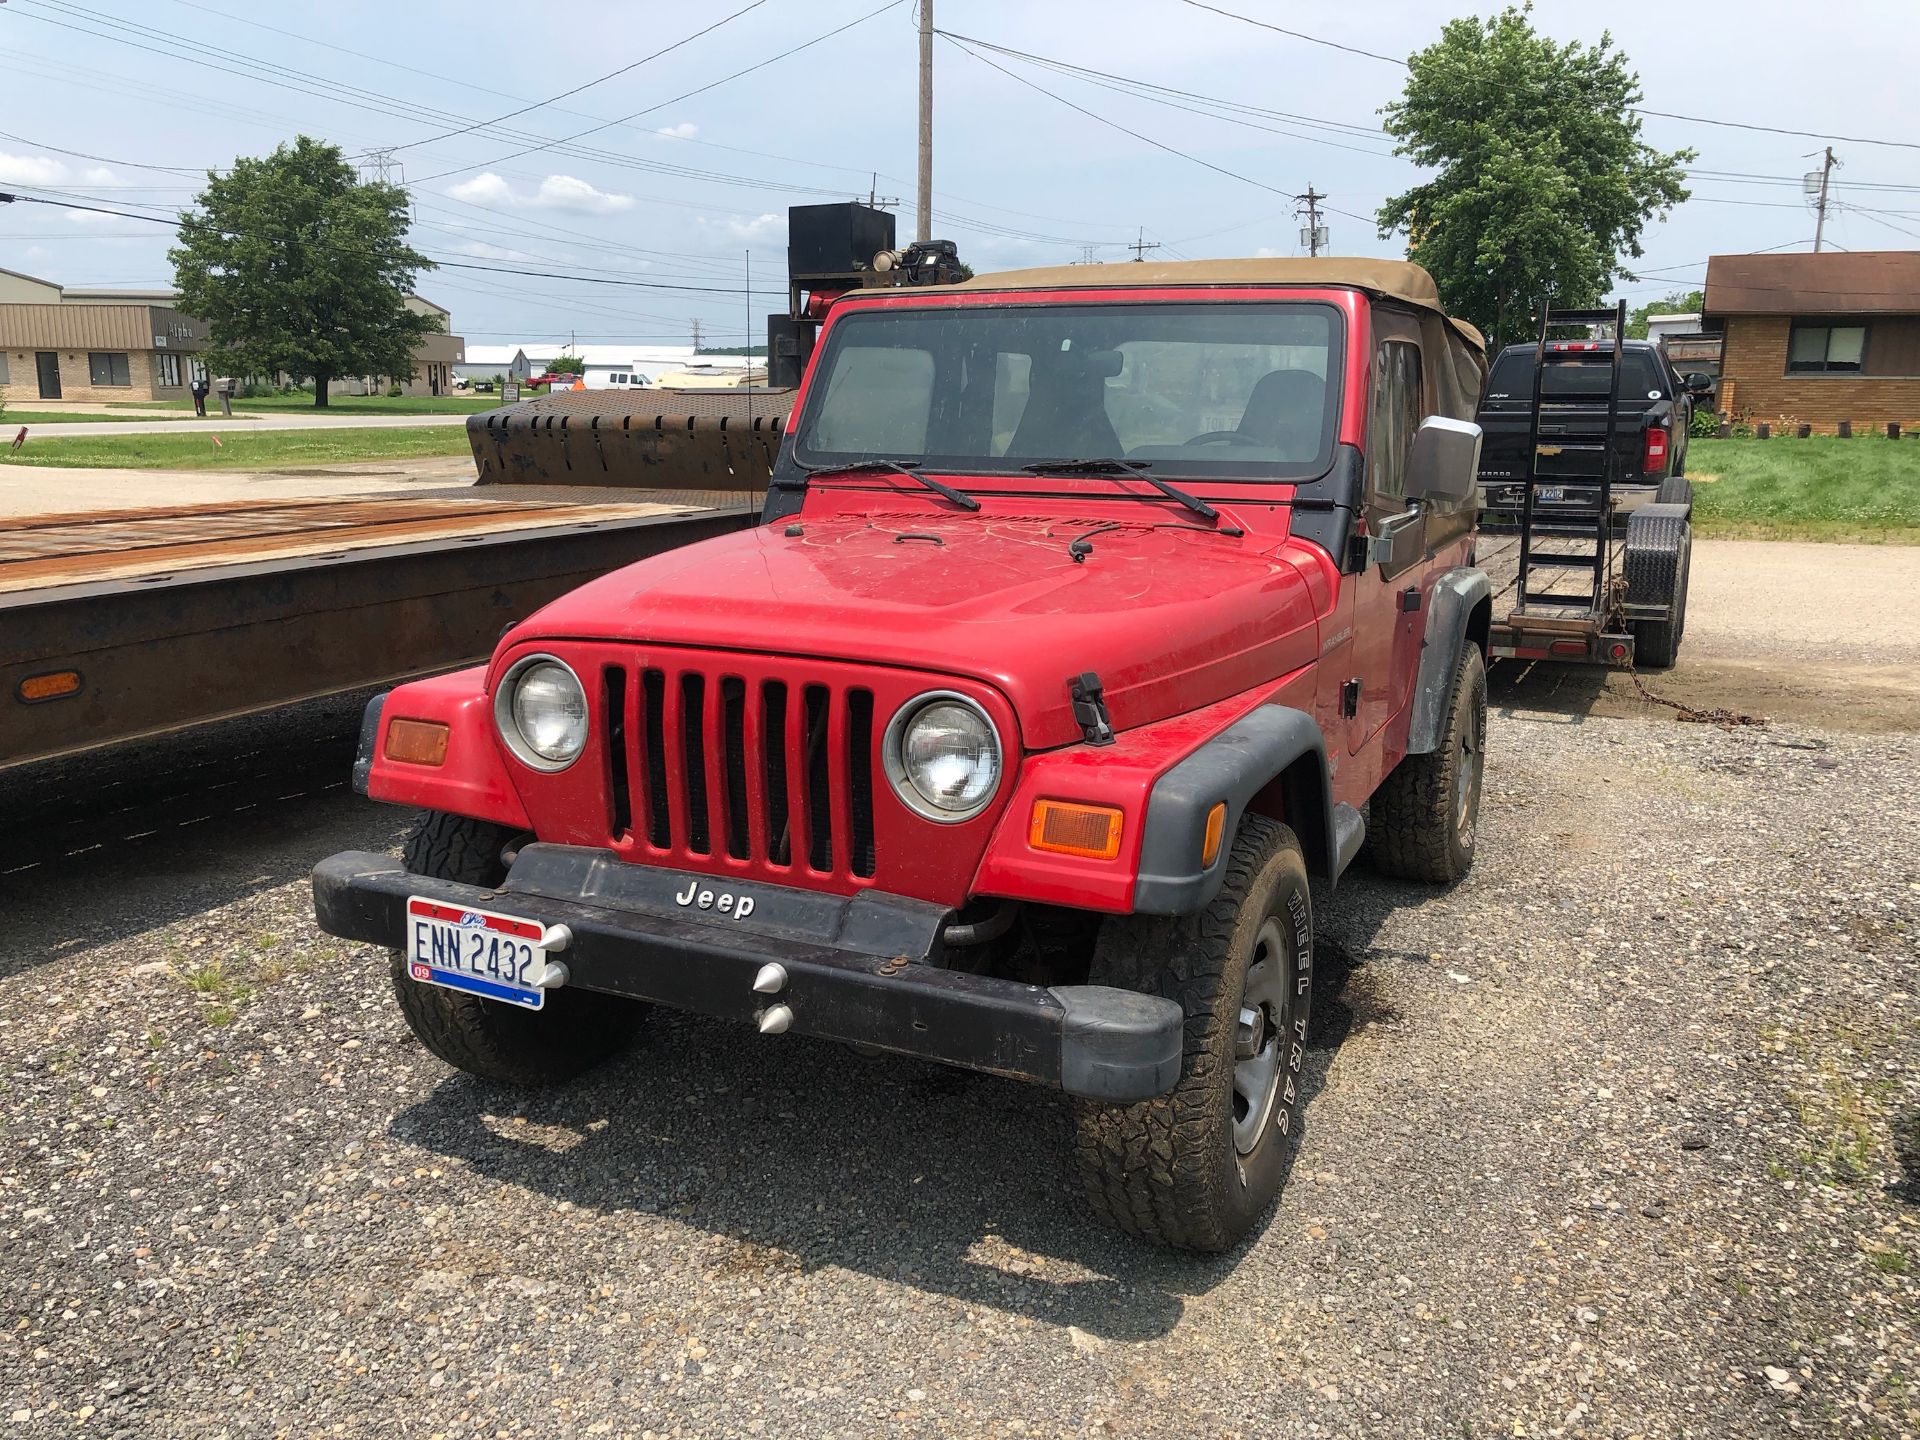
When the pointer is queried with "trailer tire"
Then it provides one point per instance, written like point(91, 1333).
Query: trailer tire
point(576, 1029)
point(1676, 489)
point(1424, 817)
point(1172, 1170)
point(1659, 555)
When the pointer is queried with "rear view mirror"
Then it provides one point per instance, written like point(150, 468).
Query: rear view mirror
point(1445, 465)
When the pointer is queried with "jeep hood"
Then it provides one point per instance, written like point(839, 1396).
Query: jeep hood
point(1171, 615)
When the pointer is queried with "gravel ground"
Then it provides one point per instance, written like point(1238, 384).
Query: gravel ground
point(1600, 1144)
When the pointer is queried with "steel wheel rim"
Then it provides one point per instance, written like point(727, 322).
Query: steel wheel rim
point(1472, 758)
point(1256, 1075)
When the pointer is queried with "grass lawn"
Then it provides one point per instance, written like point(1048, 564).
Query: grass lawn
point(69, 417)
point(302, 404)
point(1865, 489)
point(259, 450)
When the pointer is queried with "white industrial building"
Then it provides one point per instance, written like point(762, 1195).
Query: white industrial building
point(484, 362)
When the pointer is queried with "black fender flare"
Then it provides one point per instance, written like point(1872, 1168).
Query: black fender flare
point(1269, 744)
point(1459, 606)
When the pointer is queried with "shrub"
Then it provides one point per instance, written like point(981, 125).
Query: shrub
point(1704, 422)
point(394, 392)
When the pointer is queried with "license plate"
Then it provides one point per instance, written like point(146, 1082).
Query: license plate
point(496, 956)
point(1550, 493)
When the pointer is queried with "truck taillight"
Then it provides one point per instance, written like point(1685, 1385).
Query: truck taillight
point(1656, 456)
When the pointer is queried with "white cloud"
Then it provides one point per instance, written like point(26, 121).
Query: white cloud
point(683, 131)
point(761, 227)
point(556, 192)
point(45, 170)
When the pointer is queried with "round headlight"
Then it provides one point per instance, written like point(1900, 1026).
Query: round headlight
point(542, 713)
point(943, 757)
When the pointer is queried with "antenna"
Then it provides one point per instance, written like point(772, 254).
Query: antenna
point(754, 449)
point(1141, 245)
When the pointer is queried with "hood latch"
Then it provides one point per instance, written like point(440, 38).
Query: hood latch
point(1090, 709)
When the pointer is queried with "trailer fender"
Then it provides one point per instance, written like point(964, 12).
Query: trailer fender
point(1272, 760)
point(1459, 611)
point(1658, 539)
point(470, 780)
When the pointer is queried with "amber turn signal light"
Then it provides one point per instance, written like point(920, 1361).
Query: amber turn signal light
point(1216, 827)
point(418, 742)
point(1069, 829)
point(54, 685)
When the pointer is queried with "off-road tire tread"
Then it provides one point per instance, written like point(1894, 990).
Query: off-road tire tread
point(1144, 1165)
point(1410, 817)
point(526, 1049)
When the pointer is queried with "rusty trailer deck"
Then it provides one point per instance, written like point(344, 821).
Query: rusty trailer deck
point(126, 623)
point(1552, 632)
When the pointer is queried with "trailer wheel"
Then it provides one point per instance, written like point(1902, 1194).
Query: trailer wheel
point(1676, 489)
point(1658, 556)
point(576, 1029)
point(1196, 1168)
point(1425, 814)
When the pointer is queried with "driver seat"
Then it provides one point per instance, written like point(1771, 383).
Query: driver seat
point(1287, 411)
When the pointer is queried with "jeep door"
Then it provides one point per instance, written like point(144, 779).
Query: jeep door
point(1386, 634)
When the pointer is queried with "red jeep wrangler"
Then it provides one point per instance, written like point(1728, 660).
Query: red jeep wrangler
point(1092, 611)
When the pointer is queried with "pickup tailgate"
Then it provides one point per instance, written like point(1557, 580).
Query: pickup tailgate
point(1573, 418)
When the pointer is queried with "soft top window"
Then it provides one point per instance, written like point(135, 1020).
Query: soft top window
point(1246, 390)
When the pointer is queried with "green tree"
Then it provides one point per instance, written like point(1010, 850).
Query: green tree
point(1680, 302)
point(567, 365)
point(1541, 181)
point(295, 265)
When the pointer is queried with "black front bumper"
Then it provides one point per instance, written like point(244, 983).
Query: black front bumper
point(858, 969)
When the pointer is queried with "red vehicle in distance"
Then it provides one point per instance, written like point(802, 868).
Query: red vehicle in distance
point(1089, 610)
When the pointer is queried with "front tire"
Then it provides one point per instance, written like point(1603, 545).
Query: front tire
point(1196, 1169)
point(1426, 812)
point(574, 1031)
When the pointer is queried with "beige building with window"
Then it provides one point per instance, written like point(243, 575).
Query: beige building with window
point(58, 343)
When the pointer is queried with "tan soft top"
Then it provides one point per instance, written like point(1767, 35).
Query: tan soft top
point(1393, 279)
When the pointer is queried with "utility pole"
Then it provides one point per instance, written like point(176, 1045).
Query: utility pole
point(1086, 254)
point(696, 335)
point(1820, 223)
point(923, 212)
point(1140, 246)
point(1314, 235)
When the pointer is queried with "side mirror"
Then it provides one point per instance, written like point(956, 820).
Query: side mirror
point(1445, 464)
point(1698, 382)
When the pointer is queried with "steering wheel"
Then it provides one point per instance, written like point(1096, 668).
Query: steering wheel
point(1226, 437)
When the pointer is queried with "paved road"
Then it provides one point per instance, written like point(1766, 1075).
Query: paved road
point(68, 428)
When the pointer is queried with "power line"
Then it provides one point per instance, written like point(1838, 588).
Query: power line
point(599, 80)
point(1299, 34)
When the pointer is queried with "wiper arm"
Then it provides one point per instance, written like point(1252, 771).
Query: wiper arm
point(1135, 468)
point(898, 467)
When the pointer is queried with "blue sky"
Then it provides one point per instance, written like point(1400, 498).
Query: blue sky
point(1020, 178)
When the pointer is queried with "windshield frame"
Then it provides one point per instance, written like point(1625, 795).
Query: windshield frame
point(858, 312)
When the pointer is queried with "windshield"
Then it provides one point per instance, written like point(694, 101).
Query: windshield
point(1512, 377)
point(1236, 390)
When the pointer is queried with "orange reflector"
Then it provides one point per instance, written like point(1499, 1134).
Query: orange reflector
point(54, 685)
point(1068, 829)
point(1577, 648)
point(418, 742)
point(1216, 827)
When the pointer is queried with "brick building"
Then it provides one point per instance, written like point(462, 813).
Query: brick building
point(58, 343)
point(1817, 339)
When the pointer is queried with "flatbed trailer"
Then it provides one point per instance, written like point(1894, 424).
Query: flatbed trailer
point(1581, 581)
point(116, 625)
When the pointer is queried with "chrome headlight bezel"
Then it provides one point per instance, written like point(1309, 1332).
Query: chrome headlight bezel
point(893, 756)
point(508, 727)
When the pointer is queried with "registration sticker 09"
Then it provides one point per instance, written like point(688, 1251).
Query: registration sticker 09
point(498, 957)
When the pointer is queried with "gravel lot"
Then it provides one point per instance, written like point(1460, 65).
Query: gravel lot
point(1602, 1144)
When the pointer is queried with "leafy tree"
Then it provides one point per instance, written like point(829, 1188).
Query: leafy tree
point(1680, 302)
point(567, 365)
point(296, 265)
point(1540, 180)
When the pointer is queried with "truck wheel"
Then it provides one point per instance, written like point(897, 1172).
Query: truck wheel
point(1426, 812)
point(1196, 1168)
point(1659, 553)
point(575, 1030)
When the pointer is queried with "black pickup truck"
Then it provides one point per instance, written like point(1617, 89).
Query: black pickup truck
point(1650, 442)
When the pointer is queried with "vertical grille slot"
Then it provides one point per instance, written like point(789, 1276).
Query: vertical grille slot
point(733, 721)
point(693, 761)
point(653, 686)
point(619, 788)
point(773, 729)
point(860, 779)
point(818, 781)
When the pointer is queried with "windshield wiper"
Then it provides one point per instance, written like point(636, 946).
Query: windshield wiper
point(898, 467)
point(1135, 468)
